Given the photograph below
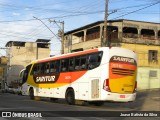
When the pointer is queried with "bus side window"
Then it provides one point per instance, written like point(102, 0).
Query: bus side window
point(94, 60)
point(26, 72)
point(47, 66)
point(71, 64)
point(57, 66)
point(38, 69)
point(99, 57)
point(83, 63)
point(53, 67)
point(77, 63)
point(34, 69)
point(42, 68)
point(64, 65)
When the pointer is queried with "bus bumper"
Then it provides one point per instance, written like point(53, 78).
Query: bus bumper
point(117, 97)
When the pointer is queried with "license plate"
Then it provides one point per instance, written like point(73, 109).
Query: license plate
point(122, 96)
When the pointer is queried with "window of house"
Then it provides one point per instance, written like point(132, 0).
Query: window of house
point(152, 73)
point(152, 55)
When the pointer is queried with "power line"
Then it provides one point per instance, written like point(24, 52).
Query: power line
point(137, 10)
point(71, 15)
point(85, 13)
point(47, 27)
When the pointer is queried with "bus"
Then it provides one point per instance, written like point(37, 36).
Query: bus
point(94, 76)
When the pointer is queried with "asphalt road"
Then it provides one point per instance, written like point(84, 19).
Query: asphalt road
point(23, 106)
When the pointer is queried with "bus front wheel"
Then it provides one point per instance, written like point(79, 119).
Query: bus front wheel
point(31, 93)
point(70, 97)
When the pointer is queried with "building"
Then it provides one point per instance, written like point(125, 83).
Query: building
point(21, 54)
point(141, 37)
point(3, 69)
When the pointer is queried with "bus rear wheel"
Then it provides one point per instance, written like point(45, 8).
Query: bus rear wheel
point(31, 93)
point(70, 97)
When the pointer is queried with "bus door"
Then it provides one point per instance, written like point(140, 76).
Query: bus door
point(95, 71)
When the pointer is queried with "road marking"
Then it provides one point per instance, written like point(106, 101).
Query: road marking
point(71, 118)
point(5, 108)
point(26, 118)
point(17, 108)
point(1, 118)
point(98, 118)
point(34, 118)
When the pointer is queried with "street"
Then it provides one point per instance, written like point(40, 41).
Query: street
point(146, 101)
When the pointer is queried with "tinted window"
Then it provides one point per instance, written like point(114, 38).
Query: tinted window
point(54, 66)
point(47, 68)
point(35, 69)
point(64, 65)
point(94, 60)
point(26, 72)
point(42, 68)
point(77, 63)
point(71, 64)
point(83, 63)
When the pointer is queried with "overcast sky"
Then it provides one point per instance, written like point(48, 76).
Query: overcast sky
point(17, 22)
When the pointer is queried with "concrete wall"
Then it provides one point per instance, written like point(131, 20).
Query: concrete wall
point(43, 53)
point(142, 52)
point(145, 79)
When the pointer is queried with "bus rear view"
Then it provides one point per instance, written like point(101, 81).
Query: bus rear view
point(121, 83)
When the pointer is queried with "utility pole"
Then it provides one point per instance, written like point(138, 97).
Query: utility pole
point(60, 32)
point(62, 37)
point(104, 40)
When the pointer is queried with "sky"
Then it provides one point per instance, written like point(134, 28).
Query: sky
point(26, 20)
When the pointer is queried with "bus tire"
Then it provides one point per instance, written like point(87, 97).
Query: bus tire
point(70, 97)
point(31, 93)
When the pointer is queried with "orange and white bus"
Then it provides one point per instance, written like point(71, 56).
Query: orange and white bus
point(95, 75)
